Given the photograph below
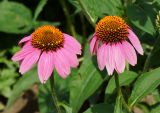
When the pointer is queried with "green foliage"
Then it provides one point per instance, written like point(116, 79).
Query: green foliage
point(46, 104)
point(155, 110)
point(85, 83)
point(7, 77)
point(100, 108)
point(95, 9)
point(138, 15)
point(118, 105)
point(45, 99)
point(145, 84)
point(86, 89)
point(23, 84)
point(15, 17)
point(125, 79)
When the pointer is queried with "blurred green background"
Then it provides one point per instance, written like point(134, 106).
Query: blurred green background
point(19, 18)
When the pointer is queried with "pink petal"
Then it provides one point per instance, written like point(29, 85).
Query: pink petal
point(61, 64)
point(102, 56)
point(129, 53)
point(71, 57)
point(94, 44)
point(118, 58)
point(71, 44)
point(25, 39)
point(45, 66)
point(110, 65)
point(135, 42)
point(27, 49)
point(29, 61)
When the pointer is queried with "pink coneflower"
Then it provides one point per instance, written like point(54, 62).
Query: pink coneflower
point(110, 43)
point(51, 48)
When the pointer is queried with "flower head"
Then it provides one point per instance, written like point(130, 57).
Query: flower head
point(111, 44)
point(51, 48)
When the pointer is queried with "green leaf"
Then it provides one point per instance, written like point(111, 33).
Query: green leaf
point(124, 79)
point(100, 108)
point(145, 84)
point(67, 108)
point(85, 84)
point(76, 5)
point(39, 8)
point(15, 17)
point(139, 16)
point(99, 8)
point(156, 109)
point(23, 84)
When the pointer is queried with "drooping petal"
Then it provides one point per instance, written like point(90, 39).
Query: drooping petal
point(29, 61)
point(110, 65)
point(102, 56)
point(135, 41)
point(45, 66)
point(61, 64)
point(118, 58)
point(129, 53)
point(27, 49)
point(71, 57)
point(71, 44)
point(25, 39)
point(94, 44)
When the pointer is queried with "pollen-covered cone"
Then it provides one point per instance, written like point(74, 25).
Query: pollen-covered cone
point(51, 48)
point(114, 43)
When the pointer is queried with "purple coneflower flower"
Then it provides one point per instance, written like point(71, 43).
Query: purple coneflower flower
point(114, 43)
point(51, 48)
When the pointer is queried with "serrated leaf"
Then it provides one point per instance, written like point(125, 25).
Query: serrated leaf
point(144, 85)
point(23, 84)
point(15, 17)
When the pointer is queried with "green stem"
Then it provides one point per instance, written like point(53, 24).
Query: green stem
point(127, 66)
point(119, 93)
point(86, 14)
point(54, 96)
point(117, 83)
point(148, 60)
point(68, 17)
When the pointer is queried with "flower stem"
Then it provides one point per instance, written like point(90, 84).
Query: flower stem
point(119, 93)
point(54, 96)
